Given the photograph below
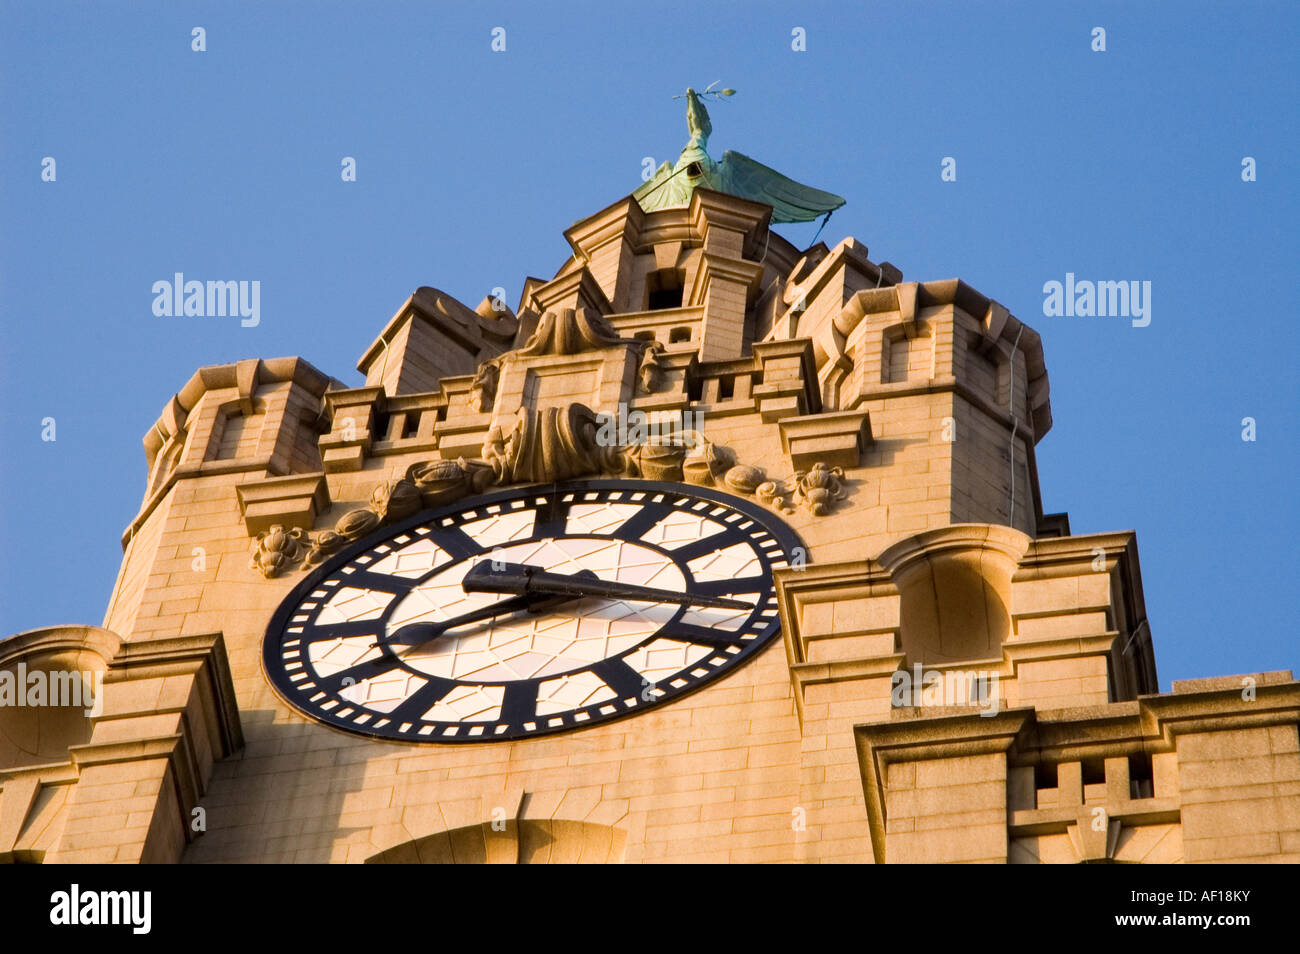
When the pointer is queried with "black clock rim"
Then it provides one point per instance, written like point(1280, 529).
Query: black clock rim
point(289, 605)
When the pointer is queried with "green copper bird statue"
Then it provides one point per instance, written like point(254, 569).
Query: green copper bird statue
point(736, 174)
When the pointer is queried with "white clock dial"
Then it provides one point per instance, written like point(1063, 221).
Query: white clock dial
point(389, 638)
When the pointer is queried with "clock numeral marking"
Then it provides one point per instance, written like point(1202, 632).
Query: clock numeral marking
point(635, 527)
point(458, 544)
point(702, 635)
point(519, 701)
point(362, 671)
point(747, 584)
point(414, 706)
point(365, 580)
point(552, 517)
point(619, 676)
point(361, 627)
point(707, 545)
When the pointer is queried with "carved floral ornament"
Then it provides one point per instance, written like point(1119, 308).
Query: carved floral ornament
point(554, 444)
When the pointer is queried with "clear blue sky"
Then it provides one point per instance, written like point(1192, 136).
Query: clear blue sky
point(225, 164)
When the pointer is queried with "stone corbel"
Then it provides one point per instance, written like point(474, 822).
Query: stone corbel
point(168, 431)
point(835, 438)
point(650, 371)
point(483, 389)
point(287, 501)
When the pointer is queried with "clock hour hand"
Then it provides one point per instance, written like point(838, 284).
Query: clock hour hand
point(524, 579)
point(413, 634)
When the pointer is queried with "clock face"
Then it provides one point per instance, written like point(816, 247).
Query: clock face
point(393, 637)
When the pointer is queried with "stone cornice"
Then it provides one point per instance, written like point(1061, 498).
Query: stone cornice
point(911, 738)
point(579, 283)
point(713, 266)
point(245, 377)
point(203, 653)
point(454, 319)
point(1149, 724)
point(848, 254)
point(335, 401)
point(47, 640)
point(997, 324)
point(717, 209)
point(1007, 541)
point(1049, 557)
point(623, 218)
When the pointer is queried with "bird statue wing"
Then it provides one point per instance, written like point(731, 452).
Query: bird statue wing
point(791, 201)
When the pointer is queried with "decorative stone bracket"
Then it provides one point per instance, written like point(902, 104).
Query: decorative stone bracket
point(285, 501)
point(837, 438)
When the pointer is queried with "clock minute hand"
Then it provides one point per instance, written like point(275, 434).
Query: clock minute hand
point(524, 579)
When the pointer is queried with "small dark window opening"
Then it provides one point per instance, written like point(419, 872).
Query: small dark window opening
point(382, 422)
point(1045, 775)
point(1094, 772)
point(694, 389)
point(678, 335)
point(664, 289)
point(665, 298)
point(1141, 782)
point(726, 387)
point(411, 424)
point(442, 414)
point(694, 170)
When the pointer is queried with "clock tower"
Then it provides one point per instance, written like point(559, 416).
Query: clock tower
point(709, 549)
